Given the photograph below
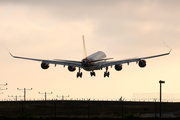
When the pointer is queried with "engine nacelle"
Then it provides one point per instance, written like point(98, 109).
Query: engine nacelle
point(71, 68)
point(118, 67)
point(44, 65)
point(142, 63)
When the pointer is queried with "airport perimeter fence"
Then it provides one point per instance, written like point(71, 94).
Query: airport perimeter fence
point(85, 99)
point(84, 108)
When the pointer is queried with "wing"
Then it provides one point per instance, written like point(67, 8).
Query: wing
point(56, 62)
point(119, 62)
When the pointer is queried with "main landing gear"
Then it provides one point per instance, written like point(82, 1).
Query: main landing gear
point(106, 73)
point(92, 73)
point(79, 74)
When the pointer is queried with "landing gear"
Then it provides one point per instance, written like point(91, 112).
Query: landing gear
point(92, 73)
point(106, 73)
point(79, 74)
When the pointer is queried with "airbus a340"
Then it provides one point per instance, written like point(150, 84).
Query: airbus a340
point(93, 62)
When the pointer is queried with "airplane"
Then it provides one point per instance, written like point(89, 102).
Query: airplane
point(95, 61)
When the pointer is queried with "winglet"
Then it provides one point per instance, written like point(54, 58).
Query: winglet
point(170, 51)
point(11, 54)
point(166, 46)
point(7, 49)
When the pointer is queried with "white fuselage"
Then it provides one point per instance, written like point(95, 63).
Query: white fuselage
point(94, 65)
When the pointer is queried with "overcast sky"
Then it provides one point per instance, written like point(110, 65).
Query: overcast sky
point(121, 28)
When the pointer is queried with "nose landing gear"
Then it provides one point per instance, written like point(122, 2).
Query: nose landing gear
point(106, 74)
point(92, 73)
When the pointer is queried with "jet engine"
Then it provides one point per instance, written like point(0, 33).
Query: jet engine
point(71, 68)
point(142, 63)
point(44, 65)
point(118, 67)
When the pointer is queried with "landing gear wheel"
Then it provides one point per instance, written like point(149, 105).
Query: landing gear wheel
point(79, 74)
point(106, 74)
point(92, 74)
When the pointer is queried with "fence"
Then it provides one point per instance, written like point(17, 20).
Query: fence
point(166, 97)
point(83, 108)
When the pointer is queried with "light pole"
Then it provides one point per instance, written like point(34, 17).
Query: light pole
point(122, 99)
point(62, 97)
point(88, 107)
point(2, 85)
point(45, 95)
point(122, 107)
point(155, 105)
point(24, 90)
point(15, 97)
point(160, 95)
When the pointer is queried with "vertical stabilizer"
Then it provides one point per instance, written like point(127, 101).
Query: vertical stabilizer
point(84, 48)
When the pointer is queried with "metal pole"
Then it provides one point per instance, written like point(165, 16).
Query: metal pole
point(160, 95)
point(24, 93)
point(62, 97)
point(24, 97)
point(155, 108)
point(22, 108)
point(88, 107)
point(160, 99)
point(45, 95)
point(16, 98)
point(55, 107)
point(122, 108)
point(45, 98)
point(3, 86)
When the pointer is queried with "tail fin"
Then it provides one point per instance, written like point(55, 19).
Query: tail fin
point(84, 48)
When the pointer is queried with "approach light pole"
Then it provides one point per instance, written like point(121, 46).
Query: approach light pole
point(155, 105)
point(15, 97)
point(160, 95)
point(88, 107)
point(122, 100)
point(24, 90)
point(45, 95)
point(2, 85)
point(62, 98)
